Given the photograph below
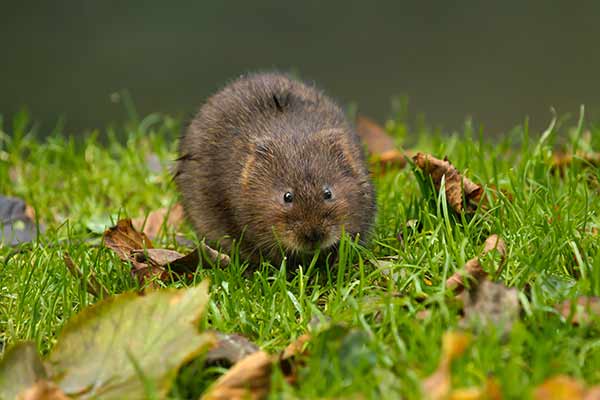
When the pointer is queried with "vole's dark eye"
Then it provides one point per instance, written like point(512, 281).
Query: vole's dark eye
point(327, 195)
point(288, 197)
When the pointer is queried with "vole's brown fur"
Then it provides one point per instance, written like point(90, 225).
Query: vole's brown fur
point(261, 136)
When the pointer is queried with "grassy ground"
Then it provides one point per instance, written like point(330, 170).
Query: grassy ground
point(549, 222)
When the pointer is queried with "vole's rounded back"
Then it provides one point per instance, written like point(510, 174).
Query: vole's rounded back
point(274, 161)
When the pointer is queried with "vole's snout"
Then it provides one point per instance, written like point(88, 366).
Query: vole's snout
point(313, 237)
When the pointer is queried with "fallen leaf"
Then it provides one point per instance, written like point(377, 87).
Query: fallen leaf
point(490, 391)
point(177, 262)
point(472, 393)
point(17, 220)
point(295, 348)
point(43, 390)
point(561, 161)
point(394, 157)
point(455, 184)
point(250, 378)
point(155, 221)
point(472, 270)
point(374, 136)
point(592, 393)
point(423, 315)
point(20, 369)
point(380, 145)
point(288, 361)
point(230, 348)
point(580, 310)
point(560, 387)
point(96, 350)
point(123, 238)
point(214, 257)
point(149, 263)
point(439, 385)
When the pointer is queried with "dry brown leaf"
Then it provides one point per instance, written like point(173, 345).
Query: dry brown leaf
point(250, 378)
point(152, 225)
point(297, 347)
point(213, 256)
point(455, 183)
point(394, 157)
point(150, 263)
point(472, 269)
point(583, 309)
point(560, 387)
point(472, 393)
point(423, 315)
point(123, 238)
point(30, 212)
point(454, 344)
point(379, 144)
point(438, 385)
point(592, 393)
point(560, 160)
point(43, 390)
point(490, 391)
point(374, 136)
point(288, 362)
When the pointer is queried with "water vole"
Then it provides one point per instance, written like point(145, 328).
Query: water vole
point(274, 161)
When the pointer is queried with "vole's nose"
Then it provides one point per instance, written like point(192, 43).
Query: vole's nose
point(314, 236)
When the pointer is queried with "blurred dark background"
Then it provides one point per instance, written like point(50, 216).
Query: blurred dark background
point(495, 61)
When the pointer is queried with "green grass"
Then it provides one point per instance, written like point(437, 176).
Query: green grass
point(549, 222)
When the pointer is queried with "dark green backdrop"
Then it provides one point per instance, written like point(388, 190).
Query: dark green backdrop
point(497, 61)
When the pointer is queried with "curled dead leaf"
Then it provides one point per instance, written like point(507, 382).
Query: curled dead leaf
point(374, 136)
point(127, 242)
point(561, 161)
point(43, 390)
point(455, 184)
point(560, 387)
point(592, 393)
point(250, 378)
point(438, 385)
point(490, 391)
point(380, 145)
point(472, 270)
point(123, 238)
point(295, 348)
point(149, 263)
